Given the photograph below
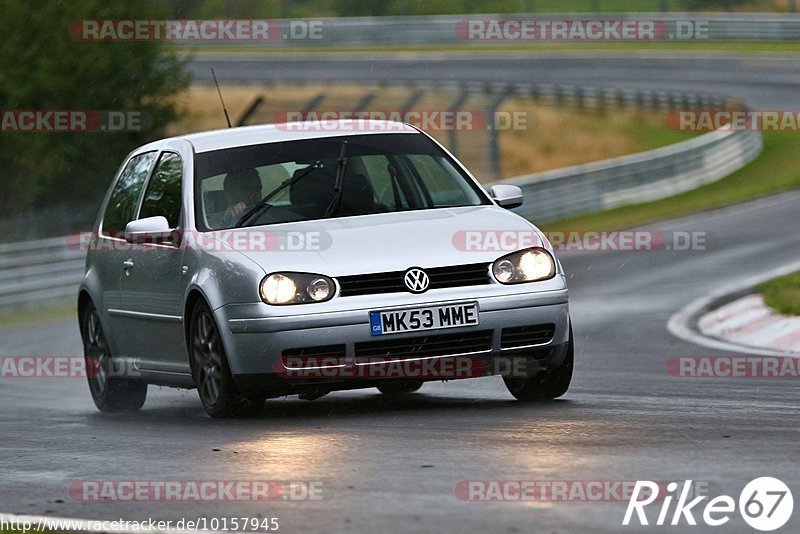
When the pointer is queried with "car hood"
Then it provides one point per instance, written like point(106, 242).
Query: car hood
point(387, 242)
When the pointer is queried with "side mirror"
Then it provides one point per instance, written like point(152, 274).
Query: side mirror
point(150, 229)
point(507, 196)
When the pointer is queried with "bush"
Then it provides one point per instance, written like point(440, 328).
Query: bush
point(43, 68)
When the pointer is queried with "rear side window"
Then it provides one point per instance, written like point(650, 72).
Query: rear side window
point(163, 194)
point(121, 206)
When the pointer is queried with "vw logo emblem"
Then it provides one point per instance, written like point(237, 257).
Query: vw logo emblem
point(416, 280)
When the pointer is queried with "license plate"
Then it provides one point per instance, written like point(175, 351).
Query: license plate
point(418, 319)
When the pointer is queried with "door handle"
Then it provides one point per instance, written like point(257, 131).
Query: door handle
point(127, 265)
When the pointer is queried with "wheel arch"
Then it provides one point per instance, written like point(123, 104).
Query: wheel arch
point(193, 297)
point(84, 301)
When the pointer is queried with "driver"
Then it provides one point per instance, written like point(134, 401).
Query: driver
point(242, 192)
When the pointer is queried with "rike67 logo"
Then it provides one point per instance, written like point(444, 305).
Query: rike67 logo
point(765, 504)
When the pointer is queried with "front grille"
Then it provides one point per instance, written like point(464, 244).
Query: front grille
point(474, 274)
point(523, 336)
point(327, 355)
point(425, 346)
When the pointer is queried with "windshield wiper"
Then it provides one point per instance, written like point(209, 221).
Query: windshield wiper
point(262, 204)
point(336, 202)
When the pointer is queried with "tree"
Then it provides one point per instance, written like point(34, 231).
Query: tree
point(42, 67)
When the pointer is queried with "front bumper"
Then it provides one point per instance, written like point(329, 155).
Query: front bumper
point(255, 342)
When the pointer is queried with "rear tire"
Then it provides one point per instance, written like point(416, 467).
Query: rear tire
point(210, 370)
point(110, 393)
point(400, 388)
point(545, 385)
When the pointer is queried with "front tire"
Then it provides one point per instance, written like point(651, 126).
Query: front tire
point(110, 393)
point(210, 370)
point(545, 385)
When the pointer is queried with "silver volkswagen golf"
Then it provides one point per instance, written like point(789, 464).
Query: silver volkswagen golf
point(304, 258)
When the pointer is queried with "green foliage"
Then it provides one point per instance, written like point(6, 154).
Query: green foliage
point(42, 67)
point(783, 294)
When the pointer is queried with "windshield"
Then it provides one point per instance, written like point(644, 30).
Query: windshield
point(384, 173)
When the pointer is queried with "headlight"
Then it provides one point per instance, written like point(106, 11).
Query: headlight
point(528, 265)
point(319, 289)
point(296, 288)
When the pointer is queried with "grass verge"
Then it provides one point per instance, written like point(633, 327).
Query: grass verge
point(58, 310)
point(783, 294)
point(777, 169)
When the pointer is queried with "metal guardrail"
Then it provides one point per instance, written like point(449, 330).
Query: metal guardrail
point(445, 29)
point(641, 177)
point(36, 271)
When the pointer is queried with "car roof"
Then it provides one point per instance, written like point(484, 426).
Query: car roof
point(289, 131)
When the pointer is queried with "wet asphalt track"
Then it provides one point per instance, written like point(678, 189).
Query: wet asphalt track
point(393, 466)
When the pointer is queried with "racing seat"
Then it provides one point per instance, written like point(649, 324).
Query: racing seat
point(312, 194)
point(358, 196)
